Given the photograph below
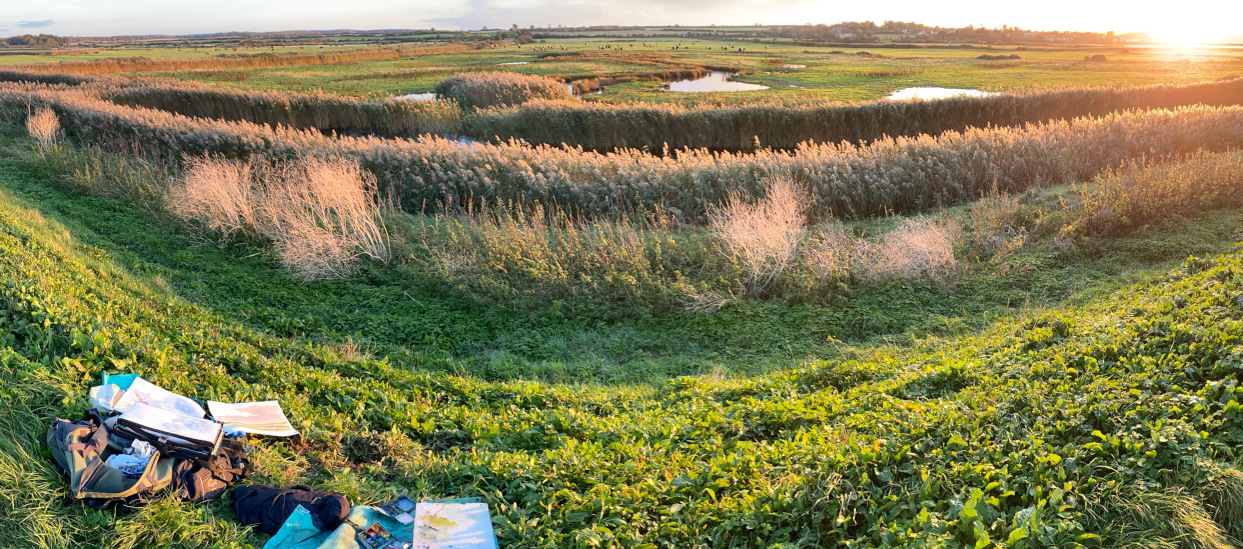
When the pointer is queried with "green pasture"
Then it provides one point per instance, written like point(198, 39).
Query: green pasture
point(862, 73)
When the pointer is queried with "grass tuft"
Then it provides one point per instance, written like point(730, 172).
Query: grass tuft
point(44, 126)
point(764, 236)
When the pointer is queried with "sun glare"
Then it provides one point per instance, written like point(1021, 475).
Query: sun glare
point(1184, 32)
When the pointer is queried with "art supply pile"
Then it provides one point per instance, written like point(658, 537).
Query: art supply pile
point(139, 439)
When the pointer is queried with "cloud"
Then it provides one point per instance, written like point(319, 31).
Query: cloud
point(35, 24)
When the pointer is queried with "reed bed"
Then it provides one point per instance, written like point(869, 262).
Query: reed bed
point(143, 64)
point(43, 78)
point(605, 127)
point(740, 128)
point(308, 111)
point(1145, 191)
point(888, 176)
point(499, 89)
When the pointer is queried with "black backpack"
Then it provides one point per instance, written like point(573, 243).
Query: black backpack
point(270, 507)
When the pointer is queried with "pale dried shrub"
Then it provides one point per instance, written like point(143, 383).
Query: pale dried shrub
point(216, 192)
point(763, 237)
point(704, 302)
point(994, 231)
point(43, 125)
point(918, 248)
point(830, 251)
point(319, 215)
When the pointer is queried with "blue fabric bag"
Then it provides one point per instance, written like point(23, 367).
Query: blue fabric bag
point(299, 531)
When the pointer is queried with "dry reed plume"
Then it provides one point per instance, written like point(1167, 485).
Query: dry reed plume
point(217, 192)
point(43, 125)
point(763, 236)
point(918, 248)
point(319, 215)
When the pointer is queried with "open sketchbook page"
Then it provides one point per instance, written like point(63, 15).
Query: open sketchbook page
point(258, 418)
point(145, 392)
point(453, 526)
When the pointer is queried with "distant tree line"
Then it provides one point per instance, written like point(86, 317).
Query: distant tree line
point(41, 40)
point(903, 32)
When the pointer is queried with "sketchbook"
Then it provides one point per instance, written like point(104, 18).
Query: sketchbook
point(142, 391)
point(151, 423)
point(256, 418)
point(453, 526)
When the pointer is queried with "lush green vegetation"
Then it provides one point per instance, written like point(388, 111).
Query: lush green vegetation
point(634, 350)
point(884, 412)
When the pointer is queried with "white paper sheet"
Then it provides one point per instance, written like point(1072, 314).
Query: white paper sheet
point(148, 393)
point(259, 418)
point(453, 526)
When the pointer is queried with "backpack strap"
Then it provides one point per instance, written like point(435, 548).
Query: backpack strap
point(63, 429)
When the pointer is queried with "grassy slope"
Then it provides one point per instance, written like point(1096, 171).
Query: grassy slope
point(989, 427)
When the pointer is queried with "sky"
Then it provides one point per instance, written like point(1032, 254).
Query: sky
point(1181, 21)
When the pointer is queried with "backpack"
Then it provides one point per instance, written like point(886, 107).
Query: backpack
point(197, 480)
point(81, 448)
point(270, 507)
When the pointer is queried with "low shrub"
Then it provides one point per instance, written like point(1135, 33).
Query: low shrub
point(538, 256)
point(829, 251)
point(319, 215)
point(44, 126)
point(763, 236)
point(918, 248)
point(1145, 191)
point(995, 230)
point(499, 89)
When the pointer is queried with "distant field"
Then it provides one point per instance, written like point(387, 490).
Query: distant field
point(14, 57)
point(830, 73)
